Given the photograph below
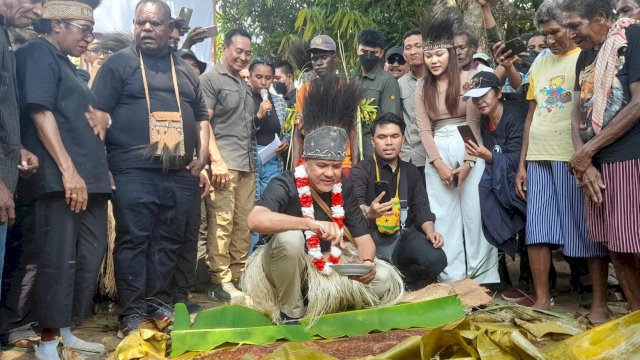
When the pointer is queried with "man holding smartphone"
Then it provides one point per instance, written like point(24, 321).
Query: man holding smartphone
point(413, 246)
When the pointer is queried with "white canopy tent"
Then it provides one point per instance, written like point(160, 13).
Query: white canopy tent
point(117, 15)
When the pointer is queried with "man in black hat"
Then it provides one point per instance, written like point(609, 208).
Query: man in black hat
point(190, 58)
point(395, 64)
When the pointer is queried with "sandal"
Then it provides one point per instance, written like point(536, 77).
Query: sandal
point(530, 300)
point(27, 344)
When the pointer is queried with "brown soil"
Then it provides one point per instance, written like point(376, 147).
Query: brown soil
point(354, 347)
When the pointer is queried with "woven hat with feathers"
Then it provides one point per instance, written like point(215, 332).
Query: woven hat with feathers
point(329, 116)
point(438, 32)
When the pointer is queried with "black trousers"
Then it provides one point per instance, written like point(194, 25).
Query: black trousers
point(418, 261)
point(70, 251)
point(151, 209)
point(185, 276)
point(19, 275)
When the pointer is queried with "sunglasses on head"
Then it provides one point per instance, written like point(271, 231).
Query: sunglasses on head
point(396, 59)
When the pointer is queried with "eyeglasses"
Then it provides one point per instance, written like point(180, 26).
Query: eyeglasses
point(396, 59)
point(85, 30)
point(105, 53)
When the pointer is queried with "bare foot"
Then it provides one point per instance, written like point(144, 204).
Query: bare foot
point(599, 315)
point(542, 304)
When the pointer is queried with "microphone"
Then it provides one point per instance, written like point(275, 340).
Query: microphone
point(264, 93)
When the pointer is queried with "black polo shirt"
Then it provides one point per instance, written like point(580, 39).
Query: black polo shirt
point(47, 79)
point(281, 196)
point(363, 176)
point(506, 137)
point(120, 92)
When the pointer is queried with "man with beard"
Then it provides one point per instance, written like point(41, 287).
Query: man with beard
point(375, 83)
point(411, 243)
point(159, 123)
point(466, 45)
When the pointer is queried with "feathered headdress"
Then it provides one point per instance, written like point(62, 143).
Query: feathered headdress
point(329, 116)
point(438, 32)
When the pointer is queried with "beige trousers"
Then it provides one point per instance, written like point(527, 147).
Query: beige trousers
point(228, 233)
point(284, 266)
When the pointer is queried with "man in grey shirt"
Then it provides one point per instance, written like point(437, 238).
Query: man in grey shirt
point(412, 149)
point(231, 107)
point(375, 82)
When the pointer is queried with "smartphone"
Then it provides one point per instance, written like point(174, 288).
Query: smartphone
point(516, 46)
point(212, 30)
point(185, 15)
point(467, 134)
point(381, 186)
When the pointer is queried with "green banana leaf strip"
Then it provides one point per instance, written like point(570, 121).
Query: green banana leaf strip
point(425, 314)
point(237, 324)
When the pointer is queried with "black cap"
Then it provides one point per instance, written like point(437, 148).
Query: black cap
point(481, 83)
point(396, 50)
point(188, 54)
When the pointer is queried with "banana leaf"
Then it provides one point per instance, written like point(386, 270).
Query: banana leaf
point(237, 324)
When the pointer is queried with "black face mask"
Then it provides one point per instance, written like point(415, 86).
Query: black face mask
point(368, 61)
point(280, 87)
point(532, 56)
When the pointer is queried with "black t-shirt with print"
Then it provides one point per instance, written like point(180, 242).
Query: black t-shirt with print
point(626, 147)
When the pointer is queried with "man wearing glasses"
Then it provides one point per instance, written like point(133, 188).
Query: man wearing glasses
point(395, 64)
point(157, 145)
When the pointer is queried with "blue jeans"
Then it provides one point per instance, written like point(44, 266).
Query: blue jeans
point(3, 241)
point(266, 172)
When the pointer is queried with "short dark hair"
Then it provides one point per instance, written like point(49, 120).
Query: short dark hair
point(472, 40)
point(414, 31)
point(228, 36)
point(387, 118)
point(262, 61)
point(166, 10)
point(285, 66)
point(372, 38)
point(588, 9)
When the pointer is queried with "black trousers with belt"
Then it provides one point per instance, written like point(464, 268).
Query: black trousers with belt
point(152, 210)
point(70, 249)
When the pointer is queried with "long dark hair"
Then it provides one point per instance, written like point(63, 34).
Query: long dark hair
point(440, 30)
point(452, 96)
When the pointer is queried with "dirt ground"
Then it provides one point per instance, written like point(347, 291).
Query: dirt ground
point(103, 327)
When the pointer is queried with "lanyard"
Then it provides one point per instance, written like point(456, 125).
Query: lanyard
point(146, 86)
point(378, 174)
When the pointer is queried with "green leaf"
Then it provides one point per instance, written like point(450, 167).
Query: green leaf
point(237, 324)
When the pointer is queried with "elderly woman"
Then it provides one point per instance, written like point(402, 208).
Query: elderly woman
point(72, 187)
point(606, 135)
point(555, 205)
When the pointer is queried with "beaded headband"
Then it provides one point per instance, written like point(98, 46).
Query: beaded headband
point(432, 45)
point(67, 10)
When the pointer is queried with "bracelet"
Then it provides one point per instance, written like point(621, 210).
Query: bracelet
point(109, 122)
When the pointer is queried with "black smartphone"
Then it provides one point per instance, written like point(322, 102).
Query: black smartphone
point(467, 134)
point(381, 186)
point(185, 16)
point(516, 46)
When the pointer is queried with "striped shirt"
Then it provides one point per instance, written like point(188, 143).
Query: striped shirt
point(9, 113)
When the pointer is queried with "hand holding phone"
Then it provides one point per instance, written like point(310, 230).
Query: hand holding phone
point(467, 134)
point(516, 46)
point(381, 186)
point(212, 30)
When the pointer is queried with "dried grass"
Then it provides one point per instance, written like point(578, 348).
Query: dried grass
point(107, 278)
point(325, 294)
point(469, 292)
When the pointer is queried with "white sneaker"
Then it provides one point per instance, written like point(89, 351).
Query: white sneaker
point(49, 355)
point(86, 348)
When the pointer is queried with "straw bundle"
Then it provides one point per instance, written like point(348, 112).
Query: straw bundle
point(325, 294)
point(107, 278)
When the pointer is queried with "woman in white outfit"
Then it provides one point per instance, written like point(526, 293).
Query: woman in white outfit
point(452, 175)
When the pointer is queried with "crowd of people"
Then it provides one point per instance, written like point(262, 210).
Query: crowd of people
point(470, 157)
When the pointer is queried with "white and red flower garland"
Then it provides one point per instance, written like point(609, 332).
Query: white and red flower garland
point(337, 213)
